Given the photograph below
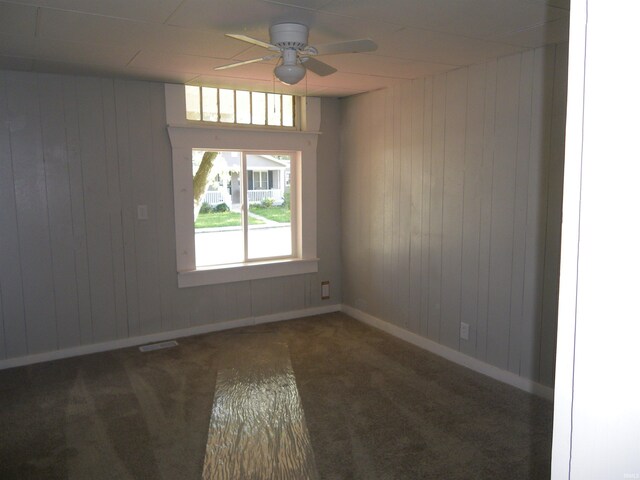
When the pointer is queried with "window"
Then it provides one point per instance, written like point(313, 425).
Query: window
point(250, 220)
point(277, 159)
point(260, 181)
point(239, 107)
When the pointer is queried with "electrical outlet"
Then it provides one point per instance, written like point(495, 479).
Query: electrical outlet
point(464, 331)
point(324, 294)
point(142, 212)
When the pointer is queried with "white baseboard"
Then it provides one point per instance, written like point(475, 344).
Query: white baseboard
point(452, 355)
point(417, 340)
point(162, 336)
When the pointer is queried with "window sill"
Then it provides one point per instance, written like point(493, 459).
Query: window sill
point(246, 271)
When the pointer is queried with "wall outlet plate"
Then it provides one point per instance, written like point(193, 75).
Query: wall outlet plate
point(142, 212)
point(464, 331)
point(324, 290)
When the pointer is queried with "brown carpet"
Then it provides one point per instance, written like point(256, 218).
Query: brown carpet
point(375, 408)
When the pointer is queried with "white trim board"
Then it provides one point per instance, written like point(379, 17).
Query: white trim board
point(454, 356)
point(163, 336)
point(445, 352)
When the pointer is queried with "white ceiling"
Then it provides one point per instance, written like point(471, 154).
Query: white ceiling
point(183, 40)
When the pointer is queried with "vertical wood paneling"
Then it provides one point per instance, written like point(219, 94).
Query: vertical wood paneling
point(76, 200)
point(388, 207)
point(13, 321)
point(452, 205)
point(115, 206)
point(366, 191)
point(354, 189)
point(165, 225)
point(417, 161)
point(404, 206)
point(51, 101)
point(236, 295)
point(378, 285)
point(128, 207)
point(142, 170)
point(465, 229)
point(396, 199)
point(436, 205)
point(348, 195)
point(329, 202)
point(486, 189)
point(96, 199)
point(425, 253)
point(32, 212)
point(472, 204)
point(520, 211)
point(502, 220)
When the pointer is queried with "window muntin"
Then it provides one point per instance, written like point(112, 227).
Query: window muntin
point(258, 224)
point(239, 107)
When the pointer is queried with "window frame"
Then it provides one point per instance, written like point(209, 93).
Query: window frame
point(186, 135)
point(295, 161)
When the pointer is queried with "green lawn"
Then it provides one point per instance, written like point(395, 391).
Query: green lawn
point(222, 219)
point(277, 214)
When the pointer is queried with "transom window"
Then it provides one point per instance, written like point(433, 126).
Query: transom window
point(239, 107)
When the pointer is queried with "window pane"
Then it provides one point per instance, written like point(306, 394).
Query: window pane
point(219, 237)
point(192, 96)
point(287, 110)
point(258, 101)
point(210, 104)
point(226, 106)
point(243, 107)
point(273, 109)
point(269, 204)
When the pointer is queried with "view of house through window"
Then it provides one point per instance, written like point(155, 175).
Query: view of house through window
point(226, 182)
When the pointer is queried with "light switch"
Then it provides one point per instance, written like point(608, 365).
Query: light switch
point(142, 212)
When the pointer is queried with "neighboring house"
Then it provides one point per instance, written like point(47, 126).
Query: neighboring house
point(267, 177)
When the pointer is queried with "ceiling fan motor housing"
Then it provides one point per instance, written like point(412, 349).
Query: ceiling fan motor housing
point(289, 35)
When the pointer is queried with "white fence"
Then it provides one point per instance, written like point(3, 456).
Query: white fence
point(257, 196)
point(216, 197)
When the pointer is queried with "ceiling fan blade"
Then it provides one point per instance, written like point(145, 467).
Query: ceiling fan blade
point(318, 67)
point(253, 41)
point(247, 62)
point(352, 46)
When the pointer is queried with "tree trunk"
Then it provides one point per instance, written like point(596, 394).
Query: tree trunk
point(201, 181)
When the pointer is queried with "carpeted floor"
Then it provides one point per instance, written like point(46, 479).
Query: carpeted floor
point(375, 408)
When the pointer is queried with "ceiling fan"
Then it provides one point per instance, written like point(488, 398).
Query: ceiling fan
point(289, 40)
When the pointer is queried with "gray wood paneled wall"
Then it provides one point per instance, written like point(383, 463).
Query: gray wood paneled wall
point(77, 155)
point(452, 193)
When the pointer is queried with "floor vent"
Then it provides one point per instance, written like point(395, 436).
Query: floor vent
point(158, 346)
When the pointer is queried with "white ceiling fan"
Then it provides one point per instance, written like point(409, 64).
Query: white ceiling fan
point(290, 41)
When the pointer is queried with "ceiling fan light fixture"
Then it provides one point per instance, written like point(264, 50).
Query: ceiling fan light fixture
point(291, 41)
point(290, 74)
